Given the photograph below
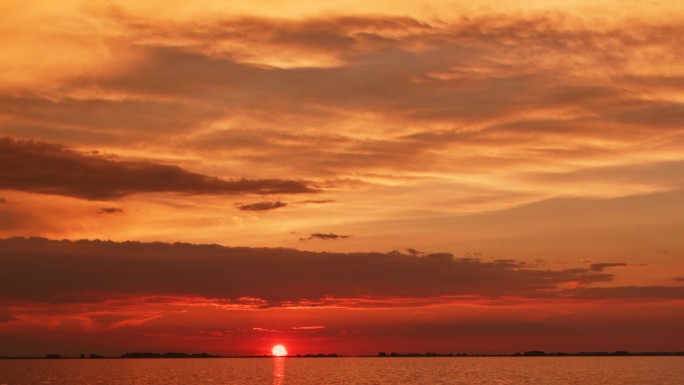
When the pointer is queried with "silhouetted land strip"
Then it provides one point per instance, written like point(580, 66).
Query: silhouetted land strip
point(531, 353)
point(534, 353)
point(168, 355)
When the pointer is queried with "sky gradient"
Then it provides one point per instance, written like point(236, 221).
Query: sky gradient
point(341, 176)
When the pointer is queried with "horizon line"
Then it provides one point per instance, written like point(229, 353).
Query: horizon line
point(180, 355)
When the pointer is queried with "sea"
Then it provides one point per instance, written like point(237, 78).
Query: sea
point(347, 371)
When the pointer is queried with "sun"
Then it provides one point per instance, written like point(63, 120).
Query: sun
point(279, 351)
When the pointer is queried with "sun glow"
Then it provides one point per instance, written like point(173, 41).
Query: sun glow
point(279, 351)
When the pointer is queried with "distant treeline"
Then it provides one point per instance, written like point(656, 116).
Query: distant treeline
point(128, 355)
point(531, 353)
point(537, 353)
point(534, 353)
point(428, 354)
point(168, 355)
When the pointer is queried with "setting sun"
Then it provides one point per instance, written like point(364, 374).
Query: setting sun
point(279, 351)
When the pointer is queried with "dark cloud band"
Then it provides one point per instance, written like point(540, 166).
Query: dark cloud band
point(262, 206)
point(54, 169)
point(82, 271)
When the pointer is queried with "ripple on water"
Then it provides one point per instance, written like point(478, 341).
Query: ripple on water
point(349, 371)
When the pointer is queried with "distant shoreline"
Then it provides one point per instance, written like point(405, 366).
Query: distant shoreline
point(129, 356)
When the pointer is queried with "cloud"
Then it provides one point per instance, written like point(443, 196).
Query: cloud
point(418, 70)
point(54, 169)
point(602, 266)
point(317, 327)
point(629, 293)
point(262, 206)
point(101, 119)
point(86, 271)
point(6, 315)
point(678, 279)
point(328, 236)
point(438, 93)
point(110, 210)
point(2, 200)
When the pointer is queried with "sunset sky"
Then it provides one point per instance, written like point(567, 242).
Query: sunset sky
point(341, 176)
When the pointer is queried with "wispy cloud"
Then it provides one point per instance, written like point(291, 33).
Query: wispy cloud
point(318, 327)
point(603, 266)
point(110, 210)
point(262, 206)
point(324, 236)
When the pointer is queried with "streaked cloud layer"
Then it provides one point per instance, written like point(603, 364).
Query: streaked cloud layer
point(535, 132)
point(132, 290)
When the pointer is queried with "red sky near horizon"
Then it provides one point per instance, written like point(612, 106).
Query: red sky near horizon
point(341, 177)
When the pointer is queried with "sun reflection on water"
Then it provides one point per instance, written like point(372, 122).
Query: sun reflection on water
point(278, 370)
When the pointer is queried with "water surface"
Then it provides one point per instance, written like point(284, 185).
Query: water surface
point(348, 371)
